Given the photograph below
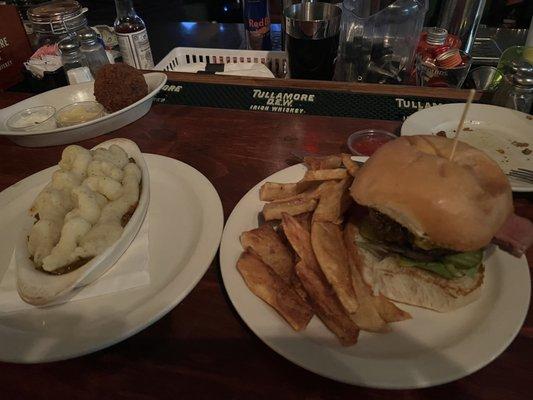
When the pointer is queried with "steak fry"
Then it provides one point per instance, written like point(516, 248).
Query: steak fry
point(349, 164)
point(275, 209)
point(265, 242)
point(326, 162)
point(332, 256)
point(323, 299)
point(334, 201)
point(277, 191)
point(304, 220)
point(374, 311)
point(268, 246)
point(269, 287)
point(326, 305)
point(325, 174)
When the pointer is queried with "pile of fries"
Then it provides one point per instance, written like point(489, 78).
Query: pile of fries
point(303, 260)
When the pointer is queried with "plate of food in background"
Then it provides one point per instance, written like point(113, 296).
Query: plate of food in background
point(119, 96)
point(99, 247)
point(359, 291)
point(504, 134)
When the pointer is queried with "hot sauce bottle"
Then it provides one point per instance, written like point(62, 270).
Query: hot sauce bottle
point(132, 36)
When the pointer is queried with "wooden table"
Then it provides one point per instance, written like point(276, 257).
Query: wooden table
point(202, 349)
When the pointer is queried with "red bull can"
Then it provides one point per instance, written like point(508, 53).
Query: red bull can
point(257, 24)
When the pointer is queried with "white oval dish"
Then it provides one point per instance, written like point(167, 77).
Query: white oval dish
point(66, 95)
point(38, 288)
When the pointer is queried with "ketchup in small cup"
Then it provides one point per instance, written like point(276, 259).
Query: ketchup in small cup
point(367, 141)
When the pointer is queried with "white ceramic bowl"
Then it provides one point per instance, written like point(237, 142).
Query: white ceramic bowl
point(66, 95)
point(39, 288)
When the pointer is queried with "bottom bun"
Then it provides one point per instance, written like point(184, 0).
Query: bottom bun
point(415, 286)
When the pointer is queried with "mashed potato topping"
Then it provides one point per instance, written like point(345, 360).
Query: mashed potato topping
point(80, 211)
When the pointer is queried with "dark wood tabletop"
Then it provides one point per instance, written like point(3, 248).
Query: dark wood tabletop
point(202, 348)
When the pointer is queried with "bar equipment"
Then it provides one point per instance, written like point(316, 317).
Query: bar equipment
point(462, 18)
point(448, 69)
point(55, 20)
point(284, 5)
point(74, 61)
point(312, 39)
point(378, 40)
point(516, 91)
point(93, 50)
point(484, 78)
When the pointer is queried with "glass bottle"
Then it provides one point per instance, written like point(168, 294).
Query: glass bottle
point(132, 36)
point(93, 50)
point(74, 62)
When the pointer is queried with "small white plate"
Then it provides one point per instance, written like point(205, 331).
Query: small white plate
point(489, 128)
point(428, 350)
point(186, 221)
point(66, 95)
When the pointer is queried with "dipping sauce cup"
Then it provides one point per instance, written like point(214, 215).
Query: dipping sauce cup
point(40, 118)
point(367, 141)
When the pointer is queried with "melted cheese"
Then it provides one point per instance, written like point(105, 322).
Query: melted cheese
point(81, 210)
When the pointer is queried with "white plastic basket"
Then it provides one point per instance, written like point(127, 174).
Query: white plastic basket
point(276, 61)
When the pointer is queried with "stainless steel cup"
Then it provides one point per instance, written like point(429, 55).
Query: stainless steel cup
point(312, 38)
point(485, 78)
point(430, 74)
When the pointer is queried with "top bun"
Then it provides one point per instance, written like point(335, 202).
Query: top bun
point(457, 204)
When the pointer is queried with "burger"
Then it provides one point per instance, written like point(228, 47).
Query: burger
point(428, 220)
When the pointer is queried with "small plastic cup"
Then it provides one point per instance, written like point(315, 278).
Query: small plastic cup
point(40, 118)
point(78, 113)
point(367, 141)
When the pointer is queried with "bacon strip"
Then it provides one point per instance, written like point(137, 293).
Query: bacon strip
point(515, 236)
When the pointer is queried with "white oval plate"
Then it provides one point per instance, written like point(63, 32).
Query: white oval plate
point(39, 288)
point(66, 95)
point(430, 349)
point(493, 129)
point(186, 221)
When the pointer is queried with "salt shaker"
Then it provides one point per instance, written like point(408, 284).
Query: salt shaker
point(93, 50)
point(74, 62)
point(516, 91)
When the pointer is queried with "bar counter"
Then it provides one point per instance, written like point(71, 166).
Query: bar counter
point(202, 349)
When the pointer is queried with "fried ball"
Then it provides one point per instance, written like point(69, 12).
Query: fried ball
point(118, 85)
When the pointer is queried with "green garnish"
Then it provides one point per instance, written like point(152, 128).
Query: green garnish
point(444, 269)
point(465, 260)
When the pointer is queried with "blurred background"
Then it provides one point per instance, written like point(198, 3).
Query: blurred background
point(498, 13)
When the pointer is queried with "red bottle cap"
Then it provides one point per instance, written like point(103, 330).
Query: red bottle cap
point(449, 59)
point(439, 50)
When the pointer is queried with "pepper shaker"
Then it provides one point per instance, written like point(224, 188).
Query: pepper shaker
point(93, 50)
point(74, 62)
